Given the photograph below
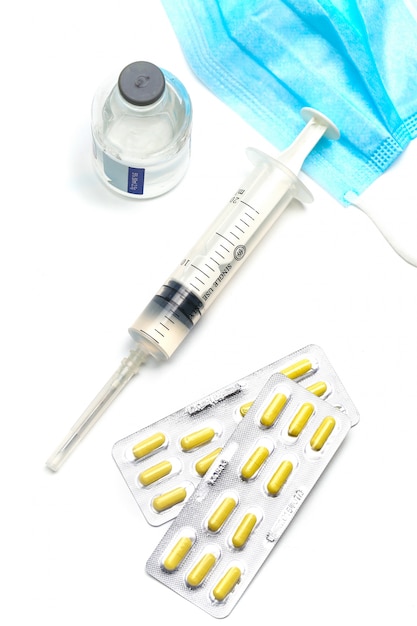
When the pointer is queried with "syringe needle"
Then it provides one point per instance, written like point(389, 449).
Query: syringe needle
point(127, 369)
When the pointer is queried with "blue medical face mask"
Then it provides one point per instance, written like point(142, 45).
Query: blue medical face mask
point(355, 61)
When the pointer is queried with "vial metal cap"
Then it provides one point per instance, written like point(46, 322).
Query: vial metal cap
point(141, 83)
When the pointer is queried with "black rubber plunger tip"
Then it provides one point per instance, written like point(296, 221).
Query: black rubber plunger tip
point(141, 83)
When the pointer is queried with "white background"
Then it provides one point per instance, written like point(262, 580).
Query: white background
point(78, 264)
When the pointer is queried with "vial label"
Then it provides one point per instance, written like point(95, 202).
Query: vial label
point(136, 179)
point(124, 177)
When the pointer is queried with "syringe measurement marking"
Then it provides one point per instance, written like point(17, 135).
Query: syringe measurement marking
point(250, 207)
point(158, 331)
point(149, 335)
point(223, 246)
point(226, 239)
point(200, 270)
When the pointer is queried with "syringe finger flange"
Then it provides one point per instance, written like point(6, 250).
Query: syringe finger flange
point(298, 189)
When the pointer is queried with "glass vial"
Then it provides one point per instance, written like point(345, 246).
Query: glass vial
point(141, 129)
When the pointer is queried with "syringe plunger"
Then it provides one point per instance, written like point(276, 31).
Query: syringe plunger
point(318, 126)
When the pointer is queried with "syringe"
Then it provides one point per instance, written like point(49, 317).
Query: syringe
point(189, 291)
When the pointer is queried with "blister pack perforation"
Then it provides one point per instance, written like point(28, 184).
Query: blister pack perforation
point(249, 496)
point(163, 463)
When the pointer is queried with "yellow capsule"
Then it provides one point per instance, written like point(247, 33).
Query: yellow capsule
point(201, 570)
point(169, 499)
point(254, 462)
point(300, 419)
point(279, 477)
point(318, 388)
point(177, 554)
point(322, 433)
point(297, 369)
point(273, 410)
point(203, 464)
point(227, 583)
point(148, 445)
point(198, 438)
point(245, 408)
point(242, 532)
point(154, 473)
point(220, 515)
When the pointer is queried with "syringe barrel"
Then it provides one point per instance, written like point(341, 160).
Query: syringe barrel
point(203, 274)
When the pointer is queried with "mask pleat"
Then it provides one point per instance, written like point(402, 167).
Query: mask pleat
point(353, 60)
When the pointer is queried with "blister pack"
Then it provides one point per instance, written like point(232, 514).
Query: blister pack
point(248, 497)
point(163, 463)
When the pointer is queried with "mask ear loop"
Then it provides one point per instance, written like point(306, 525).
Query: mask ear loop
point(385, 229)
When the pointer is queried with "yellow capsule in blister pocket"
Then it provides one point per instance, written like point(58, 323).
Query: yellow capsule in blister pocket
point(198, 438)
point(148, 445)
point(322, 433)
point(254, 462)
point(245, 408)
point(227, 583)
point(220, 515)
point(296, 370)
point(169, 499)
point(300, 368)
point(177, 554)
point(319, 388)
point(203, 464)
point(300, 419)
point(201, 570)
point(279, 477)
point(273, 410)
point(243, 531)
point(154, 473)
